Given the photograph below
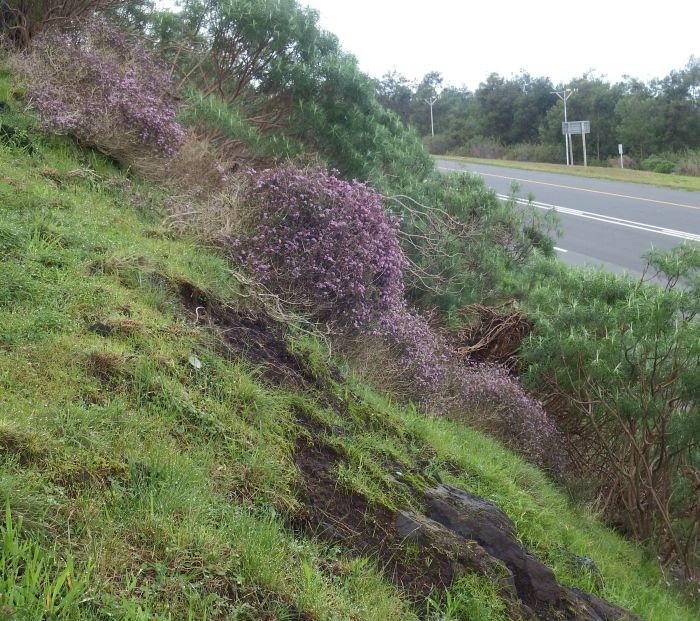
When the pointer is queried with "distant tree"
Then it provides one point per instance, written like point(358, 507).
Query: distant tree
point(530, 107)
point(595, 101)
point(427, 89)
point(679, 95)
point(395, 92)
point(495, 104)
point(457, 120)
point(638, 127)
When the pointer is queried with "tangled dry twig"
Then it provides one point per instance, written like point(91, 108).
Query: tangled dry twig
point(490, 334)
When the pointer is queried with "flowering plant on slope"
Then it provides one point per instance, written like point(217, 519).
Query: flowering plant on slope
point(105, 88)
point(327, 239)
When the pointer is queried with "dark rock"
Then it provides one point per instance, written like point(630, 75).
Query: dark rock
point(15, 137)
point(482, 521)
point(464, 556)
point(605, 610)
point(101, 328)
point(476, 520)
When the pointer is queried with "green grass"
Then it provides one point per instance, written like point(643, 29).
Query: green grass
point(139, 487)
point(676, 182)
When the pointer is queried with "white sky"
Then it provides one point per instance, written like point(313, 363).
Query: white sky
point(466, 40)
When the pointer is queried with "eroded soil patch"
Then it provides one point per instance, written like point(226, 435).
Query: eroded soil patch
point(367, 529)
point(253, 334)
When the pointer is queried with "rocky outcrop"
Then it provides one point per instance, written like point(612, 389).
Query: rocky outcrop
point(479, 537)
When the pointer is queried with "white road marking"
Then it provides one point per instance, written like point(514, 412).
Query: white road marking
point(649, 228)
point(571, 187)
point(560, 249)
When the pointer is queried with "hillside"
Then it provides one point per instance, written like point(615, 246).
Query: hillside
point(175, 445)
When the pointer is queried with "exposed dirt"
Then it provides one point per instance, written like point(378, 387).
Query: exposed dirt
point(338, 515)
point(254, 335)
point(422, 552)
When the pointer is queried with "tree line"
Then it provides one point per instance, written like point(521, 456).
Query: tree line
point(655, 118)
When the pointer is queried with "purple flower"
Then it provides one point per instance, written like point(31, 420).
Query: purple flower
point(104, 87)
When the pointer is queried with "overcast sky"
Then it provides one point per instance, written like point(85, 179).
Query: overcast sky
point(466, 40)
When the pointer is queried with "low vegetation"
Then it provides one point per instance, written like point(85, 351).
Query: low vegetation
point(244, 329)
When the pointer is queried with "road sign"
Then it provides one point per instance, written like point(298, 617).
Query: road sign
point(576, 127)
point(619, 149)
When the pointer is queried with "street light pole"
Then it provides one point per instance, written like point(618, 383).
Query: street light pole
point(431, 102)
point(564, 96)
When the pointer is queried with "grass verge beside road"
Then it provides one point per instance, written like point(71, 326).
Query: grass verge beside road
point(676, 182)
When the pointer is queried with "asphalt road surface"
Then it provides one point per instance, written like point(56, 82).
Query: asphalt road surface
point(607, 223)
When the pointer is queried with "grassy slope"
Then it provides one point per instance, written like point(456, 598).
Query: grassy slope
point(171, 488)
point(676, 182)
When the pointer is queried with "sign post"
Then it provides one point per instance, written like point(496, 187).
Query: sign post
point(622, 162)
point(564, 96)
point(577, 127)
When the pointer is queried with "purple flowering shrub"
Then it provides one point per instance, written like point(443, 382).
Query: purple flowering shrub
point(488, 396)
point(105, 88)
point(326, 238)
point(328, 243)
point(421, 355)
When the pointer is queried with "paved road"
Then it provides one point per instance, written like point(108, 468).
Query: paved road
point(605, 222)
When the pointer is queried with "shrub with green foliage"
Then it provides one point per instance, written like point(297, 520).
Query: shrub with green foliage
point(658, 164)
point(463, 243)
point(21, 20)
point(279, 73)
point(619, 362)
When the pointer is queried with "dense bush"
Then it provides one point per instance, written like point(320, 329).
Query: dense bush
point(482, 147)
point(21, 20)
point(327, 243)
point(617, 363)
point(437, 145)
point(686, 162)
point(327, 239)
point(491, 399)
point(462, 242)
point(265, 72)
point(103, 87)
point(689, 163)
point(658, 164)
point(533, 152)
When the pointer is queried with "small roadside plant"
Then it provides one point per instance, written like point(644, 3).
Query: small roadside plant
point(33, 586)
point(102, 86)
